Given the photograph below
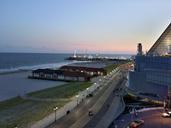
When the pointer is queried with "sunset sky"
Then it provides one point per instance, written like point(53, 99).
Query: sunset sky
point(96, 26)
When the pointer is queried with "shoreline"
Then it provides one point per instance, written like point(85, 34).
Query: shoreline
point(17, 83)
point(34, 67)
point(13, 72)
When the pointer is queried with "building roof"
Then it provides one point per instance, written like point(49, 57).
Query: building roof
point(48, 71)
point(90, 64)
point(160, 47)
point(61, 72)
point(82, 68)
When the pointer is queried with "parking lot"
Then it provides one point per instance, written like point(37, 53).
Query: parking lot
point(152, 119)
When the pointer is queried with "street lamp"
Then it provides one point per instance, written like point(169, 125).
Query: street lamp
point(77, 96)
point(55, 108)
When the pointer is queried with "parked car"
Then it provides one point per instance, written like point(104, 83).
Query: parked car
point(90, 95)
point(166, 114)
point(136, 124)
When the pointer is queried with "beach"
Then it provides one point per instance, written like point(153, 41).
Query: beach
point(14, 84)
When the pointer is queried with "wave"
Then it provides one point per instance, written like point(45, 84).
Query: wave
point(34, 67)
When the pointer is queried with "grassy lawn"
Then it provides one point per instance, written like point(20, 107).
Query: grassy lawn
point(111, 67)
point(11, 103)
point(65, 91)
point(25, 113)
point(19, 112)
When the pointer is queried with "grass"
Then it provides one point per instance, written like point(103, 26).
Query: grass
point(28, 112)
point(11, 103)
point(111, 67)
point(19, 112)
point(65, 91)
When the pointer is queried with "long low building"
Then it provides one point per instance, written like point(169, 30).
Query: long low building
point(92, 71)
point(51, 74)
point(73, 72)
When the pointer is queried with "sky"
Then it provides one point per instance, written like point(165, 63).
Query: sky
point(94, 26)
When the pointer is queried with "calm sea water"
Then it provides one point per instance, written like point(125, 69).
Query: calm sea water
point(26, 61)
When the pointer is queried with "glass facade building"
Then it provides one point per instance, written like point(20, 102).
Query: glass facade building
point(163, 45)
point(152, 72)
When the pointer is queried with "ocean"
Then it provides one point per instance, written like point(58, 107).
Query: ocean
point(10, 62)
point(29, 61)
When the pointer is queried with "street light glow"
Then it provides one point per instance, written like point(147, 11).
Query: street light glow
point(55, 108)
point(77, 96)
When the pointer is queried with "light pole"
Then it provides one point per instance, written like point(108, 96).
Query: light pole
point(77, 96)
point(87, 91)
point(55, 108)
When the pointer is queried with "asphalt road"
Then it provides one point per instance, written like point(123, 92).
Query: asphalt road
point(152, 119)
point(80, 111)
point(93, 122)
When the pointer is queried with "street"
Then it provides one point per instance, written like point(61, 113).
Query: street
point(103, 96)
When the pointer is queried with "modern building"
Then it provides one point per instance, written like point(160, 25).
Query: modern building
point(152, 72)
point(163, 44)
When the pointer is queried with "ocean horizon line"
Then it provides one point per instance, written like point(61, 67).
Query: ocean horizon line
point(94, 53)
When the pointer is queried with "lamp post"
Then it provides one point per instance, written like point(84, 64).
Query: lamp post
point(87, 90)
point(55, 109)
point(77, 96)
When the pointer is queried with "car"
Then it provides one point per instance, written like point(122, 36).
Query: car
point(136, 124)
point(166, 114)
point(90, 95)
point(90, 113)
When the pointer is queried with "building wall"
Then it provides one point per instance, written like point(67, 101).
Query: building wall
point(139, 83)
point(142, 63)
point(151, 75)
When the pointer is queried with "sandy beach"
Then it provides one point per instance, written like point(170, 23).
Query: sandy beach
point(15, 84)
